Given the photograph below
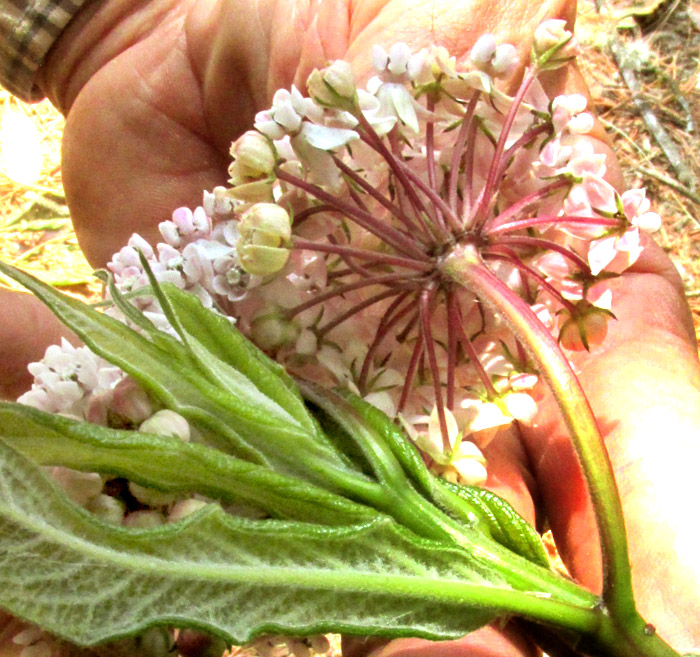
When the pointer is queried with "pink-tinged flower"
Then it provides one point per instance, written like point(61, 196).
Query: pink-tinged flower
point(66, 377)
point(593, 195)
point(636, 207)
point(615, 253)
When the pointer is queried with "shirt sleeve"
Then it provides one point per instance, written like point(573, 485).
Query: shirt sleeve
point(28, 29)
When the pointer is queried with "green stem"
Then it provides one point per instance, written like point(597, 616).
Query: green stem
point(465, 266)
point(632, 637)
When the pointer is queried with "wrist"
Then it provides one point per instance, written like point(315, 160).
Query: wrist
point(101, 31)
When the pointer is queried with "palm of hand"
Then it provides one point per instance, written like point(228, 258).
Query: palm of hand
point(151, 129)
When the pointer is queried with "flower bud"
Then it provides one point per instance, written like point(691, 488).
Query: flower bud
point(108, 508)
point(131, 401)
point(192, 643)
point(505, 59)
point(151, 496)
point(144, 519)
point(483, 50)
point(185, 508)
point(265, 230)
point(553, 45)
point(155, 642)
point(334, 86)
point(253, 155)
point(79, 486)
point(167, 423)
point(587, 325)
point(272, 331)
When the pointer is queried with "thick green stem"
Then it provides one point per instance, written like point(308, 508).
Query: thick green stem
point(622, 632)
point(465, 266)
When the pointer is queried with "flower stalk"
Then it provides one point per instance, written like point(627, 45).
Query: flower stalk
point(465, 266)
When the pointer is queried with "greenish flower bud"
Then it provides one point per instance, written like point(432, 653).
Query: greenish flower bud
point(265, 231)
point(586, 325)
point(155, 642)
point(272, 331)
point(553, 45)
point(167, 423)
point(253, 154)
point(108, 508)
point(334, 86)
point(151, 496)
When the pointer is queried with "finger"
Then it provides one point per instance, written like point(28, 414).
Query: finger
point(27, 329)
point(133, 151)
point(490, 641)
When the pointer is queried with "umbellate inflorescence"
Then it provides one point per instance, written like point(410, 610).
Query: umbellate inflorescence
point(329, 247)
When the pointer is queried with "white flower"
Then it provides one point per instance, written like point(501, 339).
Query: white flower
point(568, 113)
point(396, 70)
point(636, 207)
point(333, 86)
point(483, 50)
point(485, 54)
point(615, 253)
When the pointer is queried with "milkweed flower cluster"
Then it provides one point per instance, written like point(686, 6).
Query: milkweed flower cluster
point(329, 246)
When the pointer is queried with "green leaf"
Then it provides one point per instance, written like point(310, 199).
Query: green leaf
point(170, 465)
point(474, 507)
point(239, 425)
point(90, 582)
point(232, 360)
point(504, 523)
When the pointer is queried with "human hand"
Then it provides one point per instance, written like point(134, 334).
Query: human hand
point(153, 106)
point(155, 91)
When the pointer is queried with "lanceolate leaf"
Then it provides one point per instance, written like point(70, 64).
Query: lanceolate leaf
point(169, 464)
point(89, 581)
point(503, 521)
point(475, 507)
point(239, 424)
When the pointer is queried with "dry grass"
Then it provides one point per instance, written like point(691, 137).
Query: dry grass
point(35, 227)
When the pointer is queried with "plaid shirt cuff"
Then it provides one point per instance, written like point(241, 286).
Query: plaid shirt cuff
point(28, 29)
